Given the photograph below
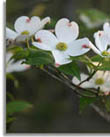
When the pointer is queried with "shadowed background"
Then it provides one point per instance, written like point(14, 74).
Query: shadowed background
point(55, 106)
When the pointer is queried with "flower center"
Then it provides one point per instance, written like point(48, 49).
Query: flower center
point(25, 33)
point(99, 81)
point(106, 53)
point(61, 46)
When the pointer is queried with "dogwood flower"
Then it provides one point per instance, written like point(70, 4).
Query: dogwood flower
point(26, 27)
point(102, 41)
point(64, 43)
point(14, 66)
point(100, 80)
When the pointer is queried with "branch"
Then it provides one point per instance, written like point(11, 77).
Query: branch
point(87, 78)
point(103, 114)
point(65, 80)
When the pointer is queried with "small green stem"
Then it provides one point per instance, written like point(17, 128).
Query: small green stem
point(27, 42)
point(32, 39)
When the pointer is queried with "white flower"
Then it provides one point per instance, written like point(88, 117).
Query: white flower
point(101, 79)
point(106, 28)
point(14, 66)
point(102, 41)
point(64, 44)
point(25, 27)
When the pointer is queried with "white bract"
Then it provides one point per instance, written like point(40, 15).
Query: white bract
point(26, 27)
point(100, 80)
point(14, 66)
point(102, 41)
point(64, 44)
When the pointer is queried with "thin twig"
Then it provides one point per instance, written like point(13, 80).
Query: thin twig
point(62, 75)
point(68, 83)
point(87, 78)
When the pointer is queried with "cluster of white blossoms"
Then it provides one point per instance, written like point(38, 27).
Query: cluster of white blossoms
point(63, 43)
point(100, 80)
point(26, 27)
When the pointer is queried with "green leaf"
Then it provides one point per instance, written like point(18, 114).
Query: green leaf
point(104, 62)
point(84, 59)
point(39, 57)
point(17, 106)
point(15, 49)
point(84, 102)
point(20, 55)
point(97, 58)
point(71, 69)
point(52, 24)
point(105, 66)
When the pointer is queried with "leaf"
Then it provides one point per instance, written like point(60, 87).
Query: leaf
point(39, 57)
point(20, 55)
point(104, 62)
point(84, 59)
point(84, 102)
point(97, 58)
point(105, 66)
point(17, 106)
point(71, 69)
point(52, 24)
point(15, 49)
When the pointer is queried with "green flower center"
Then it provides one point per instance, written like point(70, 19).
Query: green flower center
point(106, 53)
point(25, 33)
point(99, 81)
point(61, 46)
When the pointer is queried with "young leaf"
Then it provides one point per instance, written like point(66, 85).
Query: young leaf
point(97, 58)
point(20, 55)
point(15, 49)
point(105, 66)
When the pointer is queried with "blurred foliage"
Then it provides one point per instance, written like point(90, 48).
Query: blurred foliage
point(17, 106)
point(94, 15)
point(12, 77)
point(38, 10)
